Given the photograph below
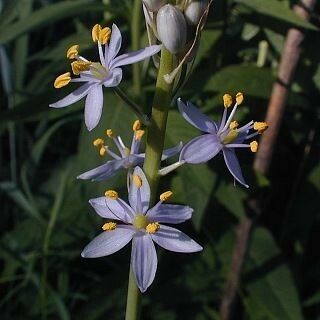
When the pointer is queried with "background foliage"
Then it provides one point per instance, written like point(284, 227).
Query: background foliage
point(45, 216)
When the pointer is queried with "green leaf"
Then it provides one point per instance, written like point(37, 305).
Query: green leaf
point(47, 15)
point(276, 9)
point(272, 291)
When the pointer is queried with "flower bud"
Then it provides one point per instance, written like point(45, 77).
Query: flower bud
point(172, 28)
point(154, 5)
point(194, 11)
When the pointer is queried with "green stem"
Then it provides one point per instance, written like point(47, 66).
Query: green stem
point(157, 128)
point(154, 149)
point(133, 299)
point(135, 36)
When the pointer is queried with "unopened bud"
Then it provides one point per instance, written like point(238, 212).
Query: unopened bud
point(194, 11)
point(154, 5)
point(172, 28)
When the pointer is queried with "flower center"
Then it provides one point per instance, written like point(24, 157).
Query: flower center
point(140, 221)
point(230, 137)
point(99, 71)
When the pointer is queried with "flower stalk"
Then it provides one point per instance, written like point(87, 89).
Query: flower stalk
point(154, 149)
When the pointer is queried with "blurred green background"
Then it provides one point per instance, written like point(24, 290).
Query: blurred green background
point(45, 216)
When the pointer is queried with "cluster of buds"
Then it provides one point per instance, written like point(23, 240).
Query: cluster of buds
point(177, 25)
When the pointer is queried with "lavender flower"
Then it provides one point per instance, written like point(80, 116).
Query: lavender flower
point(225, 137)
point(141, 225)
point(129, 158)
point(95, 75)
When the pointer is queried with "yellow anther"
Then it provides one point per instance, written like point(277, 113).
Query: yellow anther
point(260, 126)
point(100, 34)
point(111, 194)
point(136, 125)
point(153, 227)
point(254, 146)
point(102, 151)
point(109, 133)
point(73, 51)
point(166, 195)
point(62, 80)
point(231, 136)
point(80, 66)
point(139, 134)
point(227, 100)
point(98, 142)
point(104, 35)
point(137, 180)
point(234, 125)
point(239, 98)
point(95, 32)
point(109, 226)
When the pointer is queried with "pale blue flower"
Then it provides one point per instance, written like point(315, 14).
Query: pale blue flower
point(141, 225)
point(127, 159)
point(223, 137)
point(95, 75)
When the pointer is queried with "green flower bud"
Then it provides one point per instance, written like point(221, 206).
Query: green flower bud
point(172, 28)
point(194, 11)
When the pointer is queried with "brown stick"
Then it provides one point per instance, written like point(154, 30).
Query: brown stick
point(289, 60)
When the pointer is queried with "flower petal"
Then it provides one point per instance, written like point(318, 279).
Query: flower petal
point(114, 79)
point(114, 45)
point(104, 171)
point(195, 117)
point(168, 153)
point(109, 242)
point(143, 261)
point(144, 192)
point(135, 56)
point(233, 165)
point(169, 213)
point(174, 240)
point(120, 209)
point(93, 107)
point(73, 97)
point(101, 208)
point(201, 149)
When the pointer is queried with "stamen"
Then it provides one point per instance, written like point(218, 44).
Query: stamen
point(95, 32)
point(260, 126)
point(98, 142)
point(234, 125)
point(227, 100)
point(139, 134)
point(137, 181)
point(254, 146)
point(104, 35)
point(100, 34)
point(109, 226)
point(230, 137)
point(62, 80)
point(111, 194)
point(80, 66)
point(239, 98)
point(153, 227)
point(73, 52)
point(103, 150)
point(109, 133)
point(136, 125)
point(166, 195)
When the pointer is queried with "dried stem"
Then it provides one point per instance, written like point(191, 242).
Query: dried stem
point(289, 60)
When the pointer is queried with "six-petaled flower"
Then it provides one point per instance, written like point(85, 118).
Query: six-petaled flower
point(142, 225)
point(95, 75)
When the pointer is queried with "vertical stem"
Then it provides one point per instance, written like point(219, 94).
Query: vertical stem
point(133, 299)
point(135, 36)
point(154, 149)
point(157, 129)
